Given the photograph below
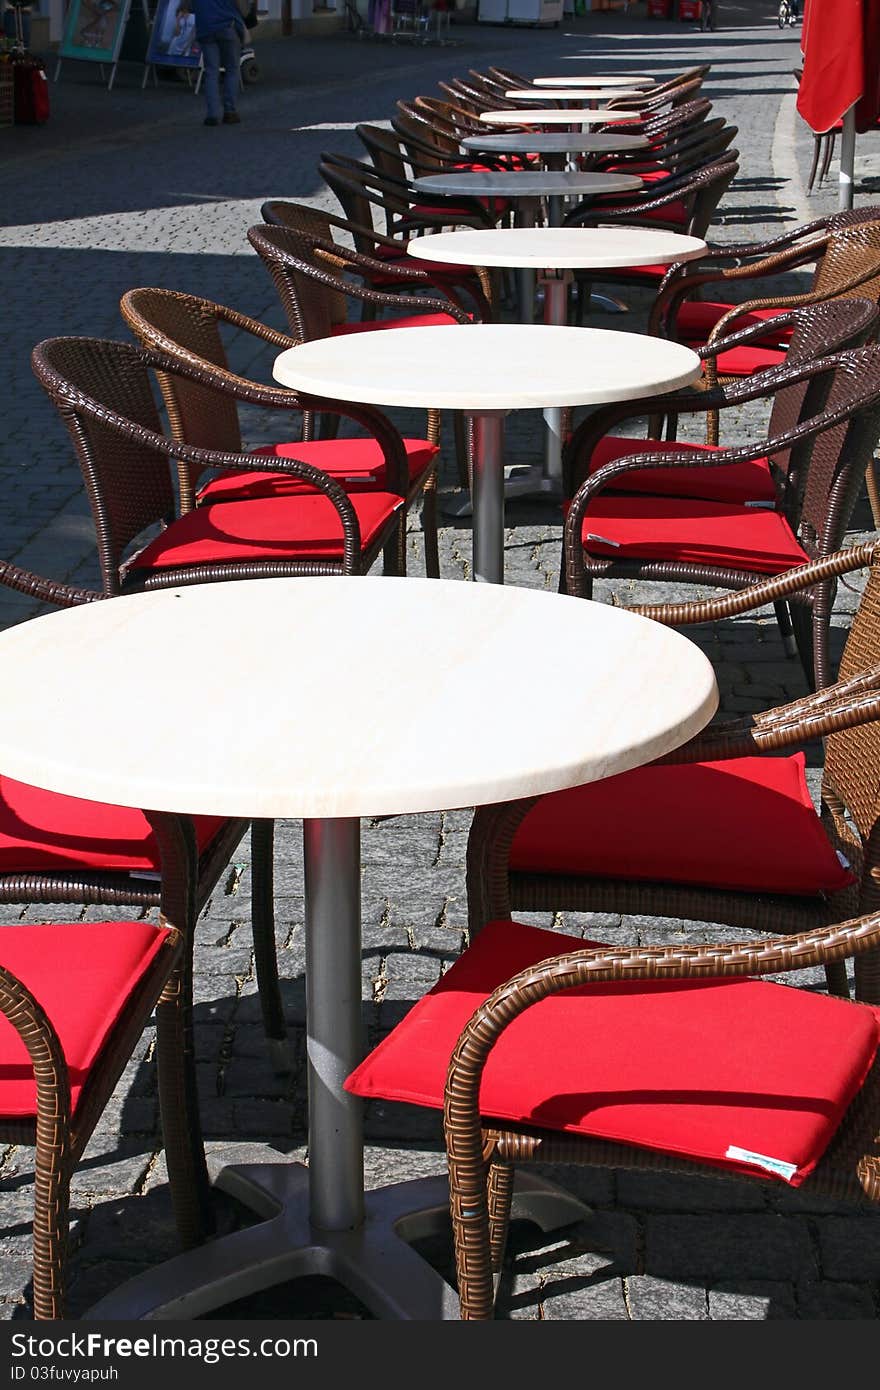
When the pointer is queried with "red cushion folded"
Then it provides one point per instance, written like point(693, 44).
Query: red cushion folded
point(293, 527)
point(746, 824)
point(82, 974)
point(633, 527)
point(735, 482)
point(42, 830)
point(742, 361)
point(696, 318)
point(407, 321)
point(353, 462)
point(739, 1074)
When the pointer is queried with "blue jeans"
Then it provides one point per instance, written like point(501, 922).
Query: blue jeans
point(221, 49)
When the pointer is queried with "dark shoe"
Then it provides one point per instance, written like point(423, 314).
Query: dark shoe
point(231, 118)
point(211, 120)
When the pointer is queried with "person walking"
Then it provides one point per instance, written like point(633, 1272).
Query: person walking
point(220, 33)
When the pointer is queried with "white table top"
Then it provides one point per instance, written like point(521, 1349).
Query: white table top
point(487, 366)
point(556, 115)
point(557, 248)
point(572, 93)
point(555, 142)
point(595, 80)
point(322, 707)
point(527, 183)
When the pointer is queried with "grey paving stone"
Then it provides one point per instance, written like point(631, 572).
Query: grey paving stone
point(719, 1247)
point(745, 1302)
point(848, 1246)
point(831, 1301)
point(650, 1299)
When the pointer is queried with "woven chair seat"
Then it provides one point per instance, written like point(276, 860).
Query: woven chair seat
point(83, 975)
point(736, 482)
point(744, 1075)
point(44, 831)
point(745, 824)
point(356, 463)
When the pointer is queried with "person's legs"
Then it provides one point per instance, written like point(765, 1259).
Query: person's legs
point(211, 55)
point(230, 56)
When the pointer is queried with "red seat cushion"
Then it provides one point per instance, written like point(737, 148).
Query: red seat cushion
point(742, 824)
point(43, 831)
point(266, 528)
point(498, 207)
point(83, 975)
point(655, 272)
point(691, 1068)
point(696, 318)
point(742, 361)
point(635, 527)
point(407, 321)
point(735, 482)
point(356, 463)
point(676, 212)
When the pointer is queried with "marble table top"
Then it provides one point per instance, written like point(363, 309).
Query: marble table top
point(527, 183)
point(324, 708)
point(569, 93)
point(595, 80)
point(558, 248)
point(487, 366)
point(555, 142)
point(556, 115)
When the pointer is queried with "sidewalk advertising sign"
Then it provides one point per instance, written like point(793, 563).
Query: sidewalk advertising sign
point(173, 36)
point(93, 30)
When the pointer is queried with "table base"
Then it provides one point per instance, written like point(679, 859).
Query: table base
point(521, 480)
point(374, 1261)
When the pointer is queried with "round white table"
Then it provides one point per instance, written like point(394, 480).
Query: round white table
point(595, 80)
point(487, 370)
point(527, 186)
point(558, 115)
point(556, 251)
point(554, 145)
point(572, 93)
point(71, 682)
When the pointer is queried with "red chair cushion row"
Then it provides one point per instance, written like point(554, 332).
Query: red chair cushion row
point(696, 1069)
point(42, 830)
point(498, 207)
point(735, 482)
point(656, 272)
point(83, 975)
point(407, 321)
point(742, 361)
point(294, 527)
point(356, 463)
point(696, 318)
point(746, 824)
point(633, 527)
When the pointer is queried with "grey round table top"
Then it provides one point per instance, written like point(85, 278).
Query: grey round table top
point(526, 183)
point(595, 80)
point(555, 142)
point(558, 248)
point(282, 731)
point(557, 115)
point(487, 366)
point(573, 93)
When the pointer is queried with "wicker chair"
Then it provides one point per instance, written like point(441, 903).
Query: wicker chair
point(405, 211)
point(187, 328)
point(614, 532)
point(74, 1000)
point(727, 1078)
point(103, 392)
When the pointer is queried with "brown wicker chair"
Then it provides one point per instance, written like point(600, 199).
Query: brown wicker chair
point(187, 328)
point(405, 211)
point(74, 1000)
point(614, 533)
point(103, 392)
point(706, 1063)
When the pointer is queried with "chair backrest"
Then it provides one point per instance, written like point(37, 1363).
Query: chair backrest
point(416, 132)
point(385, 149)
point(360, 187)
point(851, 772)
point(187, 327)
point(128, 480)
point(306, 287)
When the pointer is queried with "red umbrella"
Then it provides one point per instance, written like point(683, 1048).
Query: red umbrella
point(841, 77)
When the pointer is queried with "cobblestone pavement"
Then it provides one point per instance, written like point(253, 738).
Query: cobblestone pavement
point(128, 188)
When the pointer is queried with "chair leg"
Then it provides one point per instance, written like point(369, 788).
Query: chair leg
point(179, 1108)
point(873, 487)
point(500, 1189)
point(829, 155)
point(50, 1230)
point(783, 618)
point(802, 627)
point(817, 147)
point(429, 527)
point(462, 449)
point(263, 929)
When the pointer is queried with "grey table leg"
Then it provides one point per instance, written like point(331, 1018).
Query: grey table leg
point(488, 498)
point(555, 312)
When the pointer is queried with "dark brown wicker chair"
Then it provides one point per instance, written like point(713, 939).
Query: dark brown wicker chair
point(707, 1065)
point(103, 392)
point(405, 211)
point(612, 532)
point(74, 1000)
point(187, 328)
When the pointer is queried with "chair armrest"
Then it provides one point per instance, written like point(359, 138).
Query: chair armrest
point(33, 1026)
point(45, 590)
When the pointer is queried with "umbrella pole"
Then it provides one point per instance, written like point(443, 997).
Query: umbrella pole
point(847, 159)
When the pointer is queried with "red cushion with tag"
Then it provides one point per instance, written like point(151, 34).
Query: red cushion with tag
point(745, 824)
point(734, 482)
point(691, 1068)
point(82, 974)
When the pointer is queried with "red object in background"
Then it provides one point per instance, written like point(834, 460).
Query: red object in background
point(31, 90)
point(659, 9)
point(689, 9)
point(841, 48)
